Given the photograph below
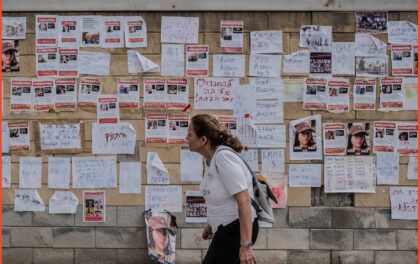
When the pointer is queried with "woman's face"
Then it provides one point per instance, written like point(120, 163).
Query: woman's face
point(161, 238)
point(304, 137)
point(8, 57)
point(43, 27)
point(388, 89)
point(357, 141)
point(194, 141)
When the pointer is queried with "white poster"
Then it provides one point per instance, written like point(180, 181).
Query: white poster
point(221, 98)
point(46, 30)
point(402, 60)
point(226, 65)
point(161, 198)
point(387, 168)
point(46, 62)
point(272, 160)
point(404, 203)
point(392, 94)
point(413, 168)
point(156, 170)
point(20, 95)
point(305, 137)
point(402, 32)
point(315, 95)
point(107, 109)
point(266, 41)
point(296, 62)
point(270, 136)
point(267, 88)
point(13, 27)
point(68, 65)
point(191, 166)
point(60, 136)
point(197, 60)
point(28, 200)
point(6, 172)
point(117, 138)
point(113, 35)
point(265, 65)
point(59, 172)
point(343, 55)
point(138, 63)
point(316, 38)
point(364, 94)
point(293, 90)
point(178, 129)
point(244, 100)
point(63, 203)
point(179, 29)
point(251, 157)
point(305, 175)
point(89, 91)
point(172, 60)
point(268, 111)
point(130, 177)
point(228, 123)
point(65, 97)
point(95, 63)
point(372, 66)
point(195, 207)
point(177, 93)
point(19, 136)
point(94, 172)
point(92, 31)
point(335, 139)
point(247, 131)
point(231, 36)
point(5, 137)
point(407, 142)
point(358, 138)
point(338, 95)
point(385, 135)
point(154, 93)
point(128, 93)
point(411, 93)
point(156, 128)
point(135, 29)
point(42, 95)
point(369, 46)
point(30, 172)
point(69, 35)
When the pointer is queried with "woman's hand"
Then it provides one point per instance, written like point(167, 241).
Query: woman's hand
point(247, 256)
point(207, 233)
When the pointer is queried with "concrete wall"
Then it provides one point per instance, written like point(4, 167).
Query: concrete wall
point(361, 233)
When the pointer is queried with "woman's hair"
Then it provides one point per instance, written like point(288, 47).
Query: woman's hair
point(168, 249)
point(208, 126)
point(297, 143)
point(350, 145)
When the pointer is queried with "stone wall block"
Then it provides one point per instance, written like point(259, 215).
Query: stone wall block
point(307, 217)
point(31, 237)
point(375, 239)
point(337, 239)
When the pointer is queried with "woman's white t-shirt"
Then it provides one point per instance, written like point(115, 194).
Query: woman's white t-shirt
point(219, 185)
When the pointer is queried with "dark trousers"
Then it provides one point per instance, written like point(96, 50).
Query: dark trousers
point(224, 248)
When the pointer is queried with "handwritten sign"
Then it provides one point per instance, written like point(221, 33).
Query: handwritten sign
point(214, 93)
point(94, 172)
point(268, 111)
point(179, 29)
point(58, 173)
point(271, 136)
point(402, 32)
point(191, 166)
point(228, 65)
point(413, 168)
point(60, 136)
point(161, 198)
point(367, 45)
point(343, 54)
point(30, 172)
point(387, 167)
point(6, 172)
point(28, 200)
point(130, 177)
point(172, 60)
point(265, 65)
point(117, 138)
point(316, 38)
point(404, 203)
point(251, 157)
point(304, 175)
point(266, 41)
point(296, 62)
point(63, 203)
point(272, 160)
point(156, 170)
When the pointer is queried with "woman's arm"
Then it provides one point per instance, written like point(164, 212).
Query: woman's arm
point(246, 254)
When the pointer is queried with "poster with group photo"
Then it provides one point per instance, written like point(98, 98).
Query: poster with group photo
point(197, 61)
point(91, 31)
point(89, 91)
point(10, 56)
point(178, 129)
point(19, 136)
point(320, 64)
point(407, 139)
point(384, 139)
point(68, 63)
point(13, 27)
point(156, 128)
point(65, 94)
point(195, 208)
point(42, 95)
point(372, 66)
point(46, 30)
point(315, 94)
point(364, 94)
point(69, 31)
point(334, 139)
point(358, 139)
point(306, 138)
point(371, 22)
point(46, 62)
point(113, 35)
point(154, 93)
point(177, 94)
point(338, 95)
point(108, 110)
point(231, 36)
point(128, 93)
point(392, 94)
point(93, 206)
point(20, 95)
point(135, 32)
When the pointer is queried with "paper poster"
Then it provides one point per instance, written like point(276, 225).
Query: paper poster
point(195, 207)
point(60, 136)
point(293, 90)
point(278, 184)
point(407, 139)
point(46, 28)
point(402, 32)
point(13, 27)
point(296, 62)
point(128, 93)
point(251, 157)
point(177, 93)
point(214, 93)
point(156, 128)
point(267, 88)
point(6, 172)
point(89, 91)
point(364, 94)
point(10, 56)
point(138, 63)
point(113, 35)
point(19, 136)
point(63, 203)
point(411, 94)
point(156, 170)
point(349, 174)
point(65, 94)
point(94, 206)
point(69, 31)
point(135, 30)
point(271, 136)
point(191, 166)
point(247, 131)
point(265, 65)
point(161, 198)
point(334, 139)
point(392, 94)
point(5, 137)
point(59, 172)
point(179, 29)
point(369, 46)
point(161, 236)
point(154, 94)
point(268, 111)
point(20, 95)
point(314, 94)
point(197, 60)
point(117, 138)
point(228, 123)
point(92, 31)
point(28, 200)
point(95, 63)
point(178, 129)
point(108, 110)
point(358, 138)
point(94, 172)
point(42, 95)
point(305, 175)
point(306, 136)
point(372, 22)
point(30, 172)
point(172, 60)
point(316, 38)
point(338, 95)
point(47, 62)
point(272, 160)
point(130, 177)
point(69, 61)
point(387, 168)
point(231, 36)
point(343, 55)
point(385, 136)
point(320, 64)
point(226, 65)
point(413, 168)
point(266, 41)
point(402, 60)
point(404, 203)
point(372, 66)
point(244, 100)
